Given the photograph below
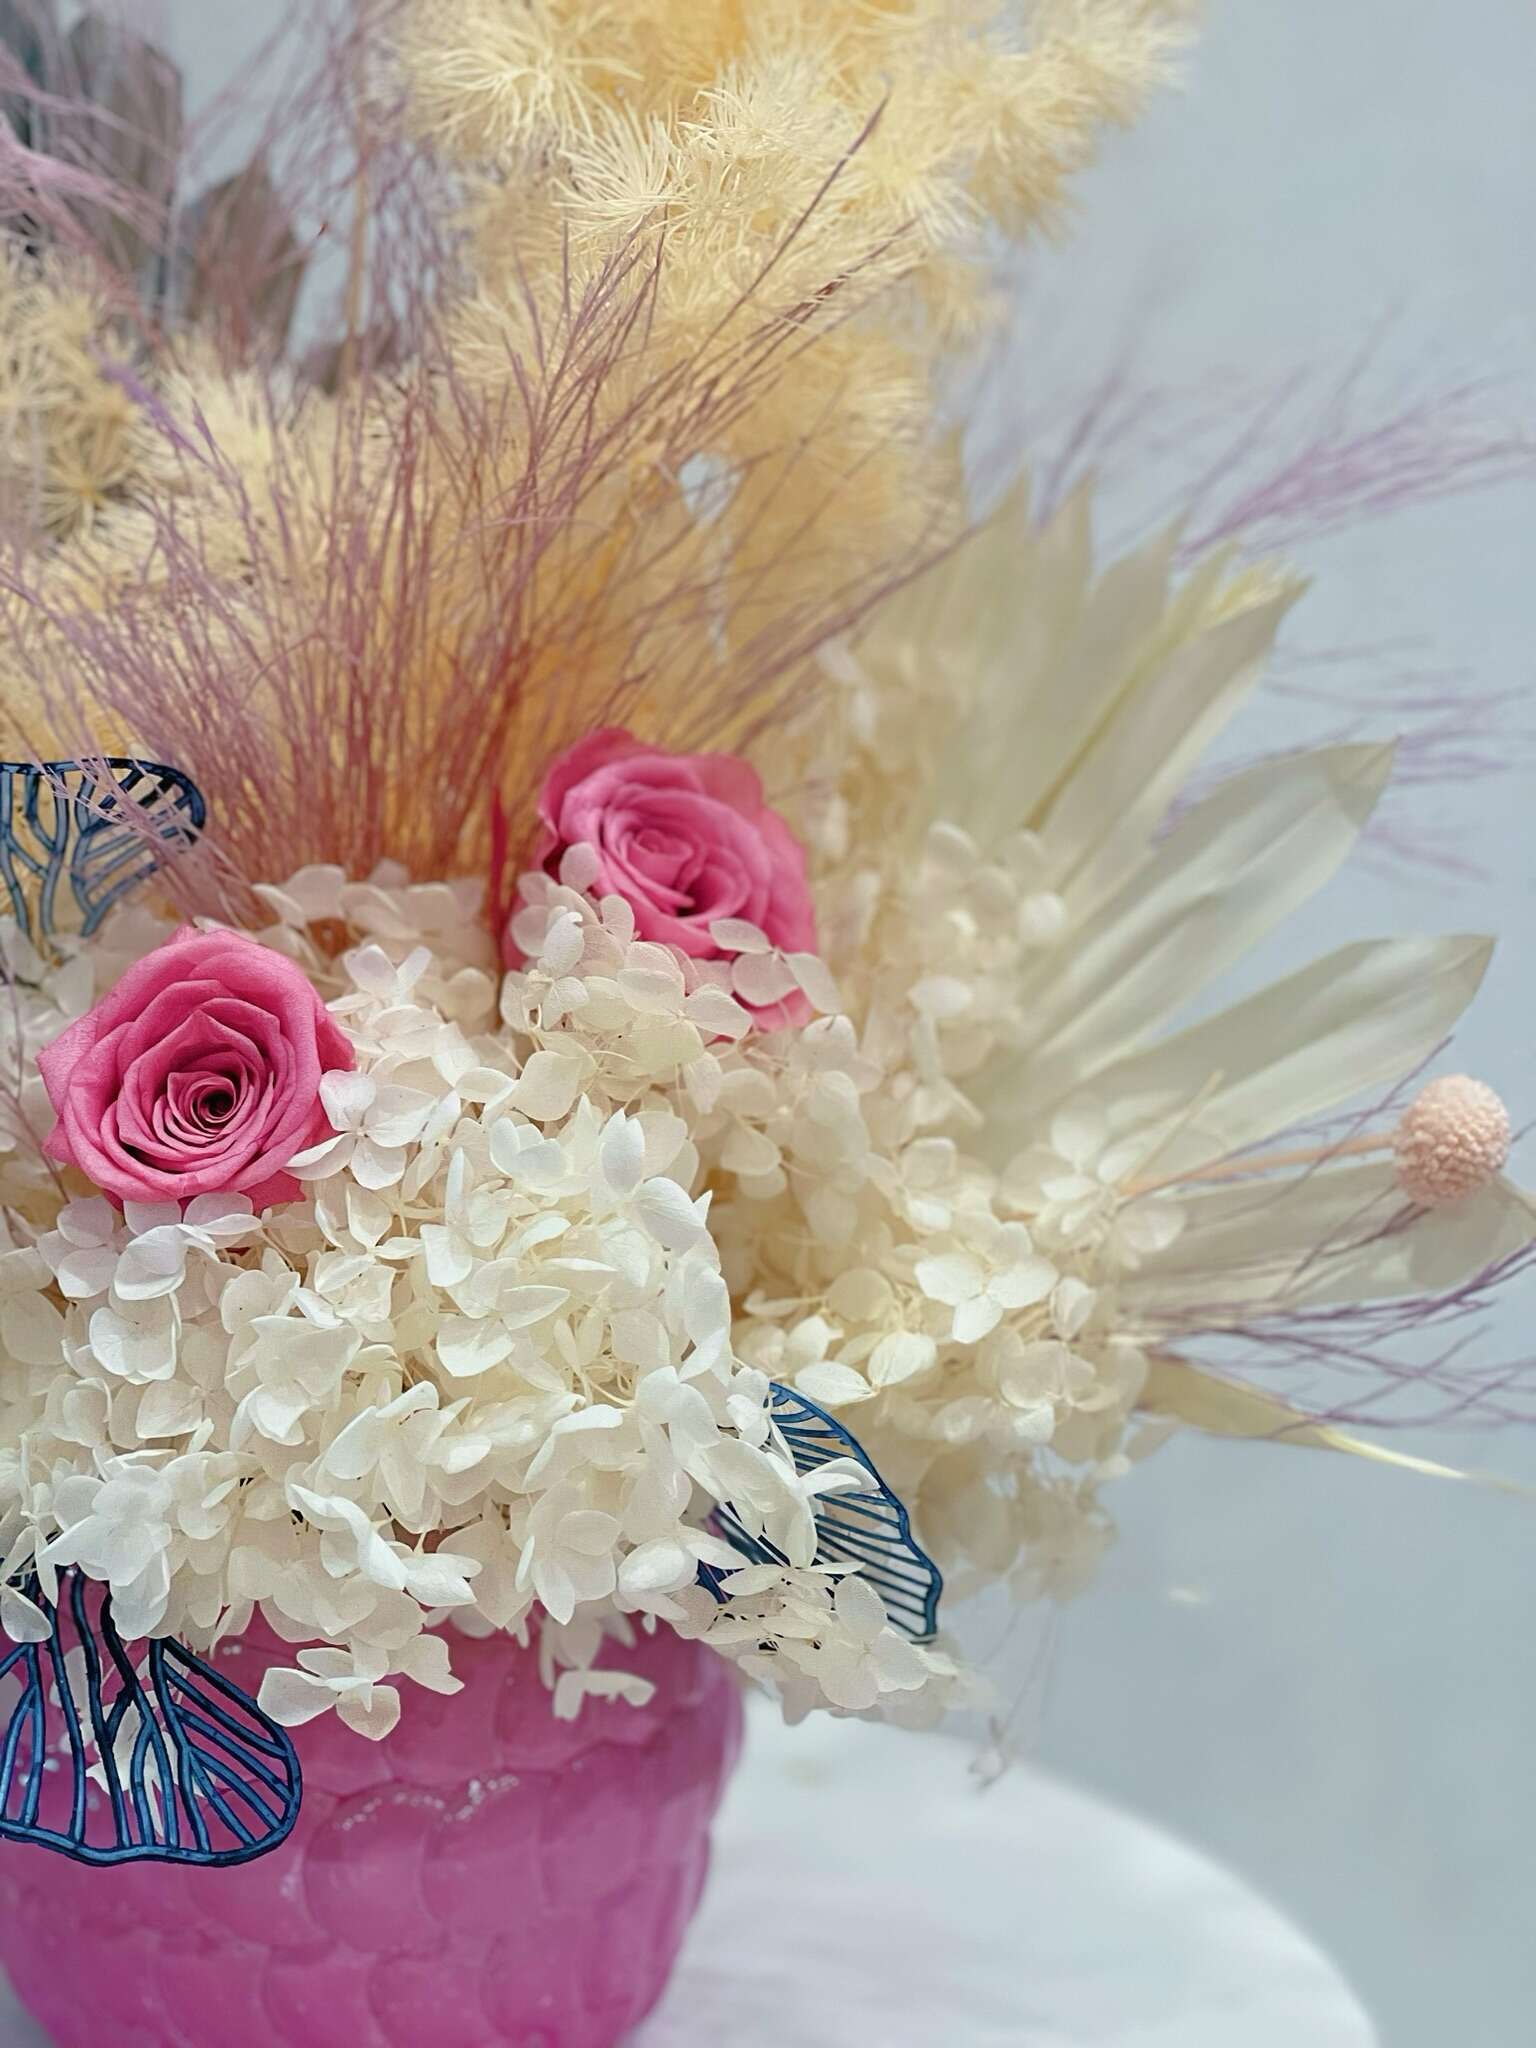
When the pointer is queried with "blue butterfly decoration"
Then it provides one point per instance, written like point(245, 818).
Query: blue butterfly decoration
point(63, 824)
point(103, 1759)
point(872, 1530)
point(109, 1761)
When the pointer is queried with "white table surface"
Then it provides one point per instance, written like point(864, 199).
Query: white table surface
point(866, 1891)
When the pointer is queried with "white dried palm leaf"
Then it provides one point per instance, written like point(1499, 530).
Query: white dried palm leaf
point(1355, 1021)
point(1047, 719)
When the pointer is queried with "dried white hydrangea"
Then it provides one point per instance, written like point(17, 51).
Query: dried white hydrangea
point(484, 1370)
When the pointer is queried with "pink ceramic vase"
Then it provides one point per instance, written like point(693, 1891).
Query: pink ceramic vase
point(487, 1876)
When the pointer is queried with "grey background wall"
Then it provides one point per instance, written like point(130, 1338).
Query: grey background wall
point(1323, 1672)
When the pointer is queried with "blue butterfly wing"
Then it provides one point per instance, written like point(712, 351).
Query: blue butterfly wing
point(109, 1760)
point(872, 1530)
point(65, 833)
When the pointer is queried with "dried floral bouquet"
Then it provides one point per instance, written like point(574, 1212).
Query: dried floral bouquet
point(594, 1043)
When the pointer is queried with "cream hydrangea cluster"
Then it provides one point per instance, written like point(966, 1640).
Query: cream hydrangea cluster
point(483, 1372)
point(965, 1323)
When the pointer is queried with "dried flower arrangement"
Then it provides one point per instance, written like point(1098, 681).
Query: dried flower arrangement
point(642, 1086)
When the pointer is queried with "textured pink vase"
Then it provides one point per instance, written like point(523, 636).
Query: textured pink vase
point(487, 1877)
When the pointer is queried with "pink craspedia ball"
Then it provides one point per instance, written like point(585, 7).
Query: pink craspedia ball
point(1452, 1140)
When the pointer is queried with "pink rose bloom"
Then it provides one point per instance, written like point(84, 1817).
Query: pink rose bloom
point(198, 1074)
point(685, 839)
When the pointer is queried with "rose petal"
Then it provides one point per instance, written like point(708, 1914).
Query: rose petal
point(197, 1074)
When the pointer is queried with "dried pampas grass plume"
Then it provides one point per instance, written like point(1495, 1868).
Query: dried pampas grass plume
point(992, 105)
point(810, 181)
point(72, 442)
point(634, 447)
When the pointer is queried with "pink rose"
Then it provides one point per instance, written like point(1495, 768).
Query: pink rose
point(685, 839)
point(198, 1074)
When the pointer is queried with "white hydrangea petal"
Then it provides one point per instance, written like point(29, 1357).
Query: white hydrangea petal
point(519, 1308)
point(440, 1579)
point(664, 1565)
point(466, 1347)
point(859, 1608)
point(565, 941)
point(292, 1697)
point(942, 997)
point(89, 1221)
point(373, 1714)
point(816, 982)
point(86, 1272)
point(151, 1265)
point(168, 1408)
point(904, 1355)
point(548, 1085)
point(623, 1154)
point(137, 1344)
point(738, 935)
point(951, 1278)
point(21, 1618)
point(31, 1330)
point(976, 1319)
point(399, 1115)
point(833, 1385)
point(580, 866)
point(426, 1660)
point(589, 1531)
point(140, 1218)
point(762, 979)
point(347, 1098)
point(1072, 1303)
point(573, 1688)
point(377, 1166)
point(449, 1259)
point(640, 1339)
point(717, 1012)
point(670, 1216)
point(1024, 1284)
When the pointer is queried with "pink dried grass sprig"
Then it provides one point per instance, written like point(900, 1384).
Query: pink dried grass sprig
point(1272, 465)
point(368, 215)
point(128, 190)
point(1305, 1355)
point(1427, 1344)
point(443, 583)
point(1456, 733)
point(57, 183)
point(1268, 463)
point(1451, 735)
